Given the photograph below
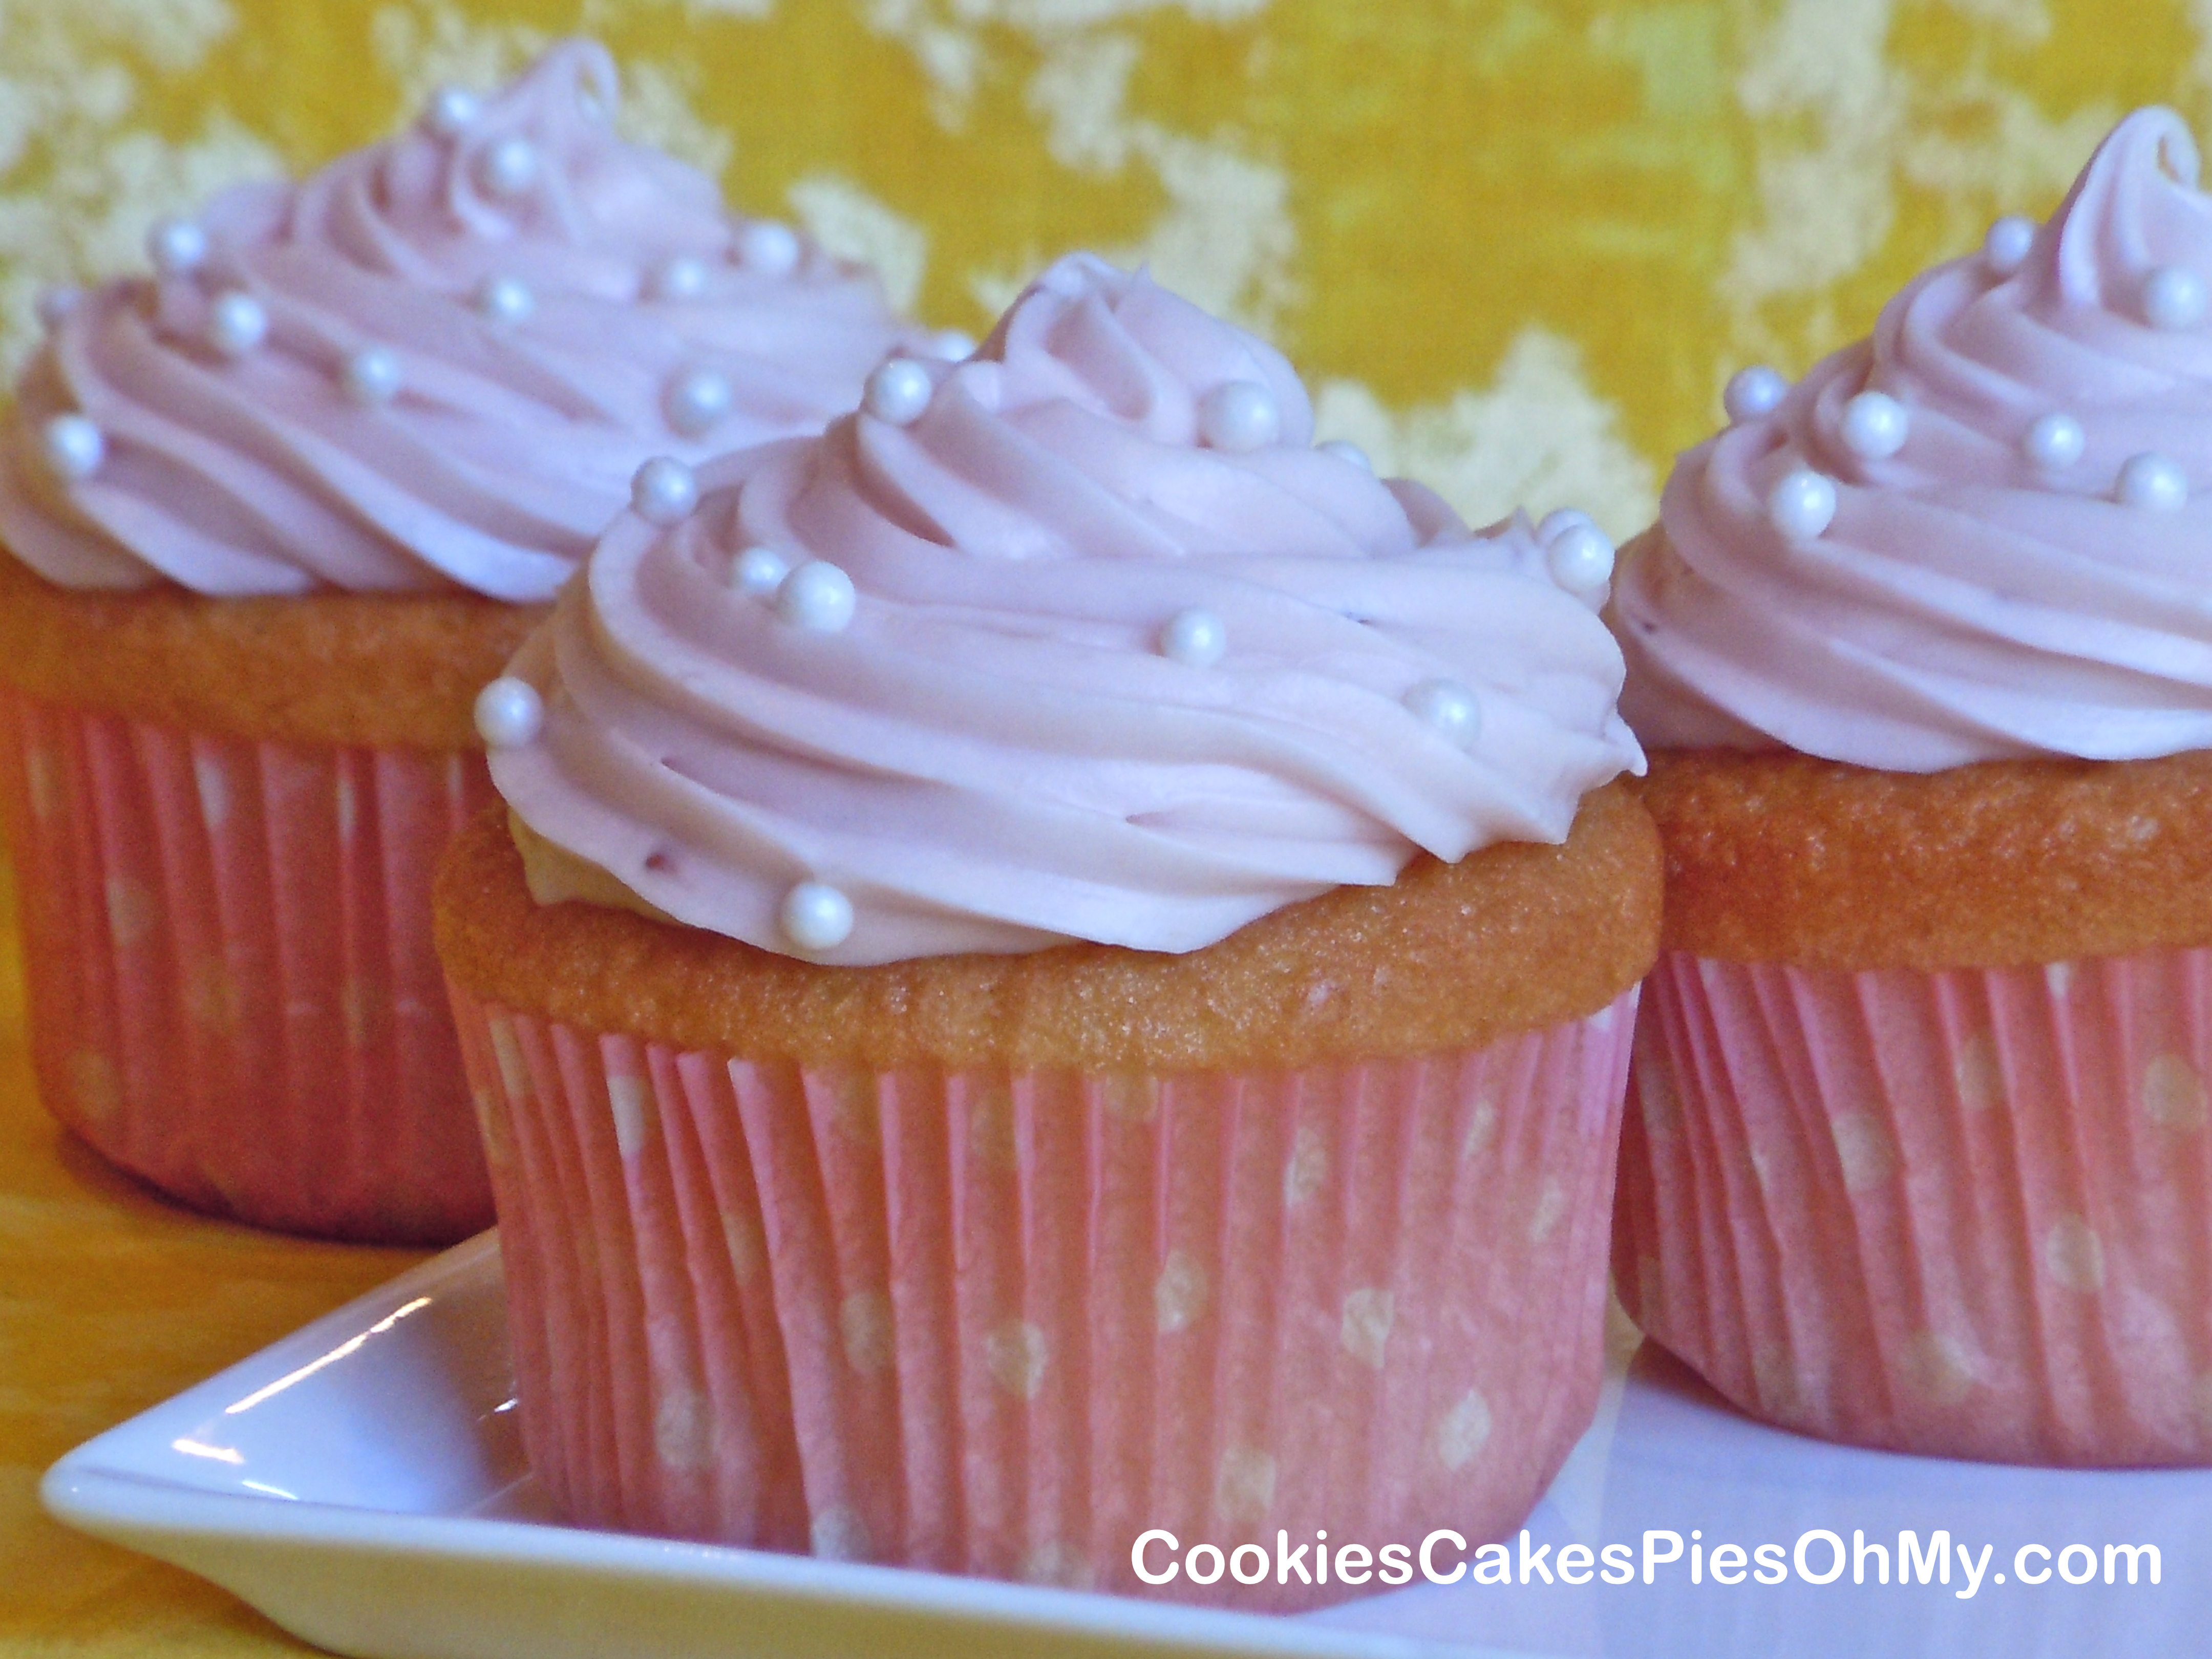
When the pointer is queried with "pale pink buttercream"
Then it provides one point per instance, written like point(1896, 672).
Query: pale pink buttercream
point(509, 445)
point(1967, 604)
point(996, 755)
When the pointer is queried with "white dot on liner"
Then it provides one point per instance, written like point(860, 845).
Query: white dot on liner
point(1752, 392)
point(696, 399)
point(816, 916)
point(2009, 241)
point(176, 247)
point(2154, 482)
point(1802, 504)
point(664, 491)
point(1347, 451)
point(1238, 417)
point(505, 299)
point(2173, 298)
point(898, 392)
point(72, 447)
point(509, 713)
point(758, 571)
point(236, 323)
point(1580, 558)
point(451, 111)
point(1449, 707)
point(1195, 638)
point(816, 597)
point(684, 277)
point(2054, 441)
point(770, 248)
point(1875, 426)
point(508, 167)
point(1463, 1431)
point(2073, 1254)
point(373, 376)
point(57, 305)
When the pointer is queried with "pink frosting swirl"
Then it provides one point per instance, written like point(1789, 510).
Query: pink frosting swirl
point(1985, 592)
point(1001, 752)
point(534, 292)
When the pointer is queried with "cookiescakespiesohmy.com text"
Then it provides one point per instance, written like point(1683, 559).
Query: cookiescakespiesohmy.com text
point(1819, 1556)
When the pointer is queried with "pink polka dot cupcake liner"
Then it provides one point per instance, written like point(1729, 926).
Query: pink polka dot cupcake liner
point(1966, 1214)
point(1002, 1322)
point(232, 990)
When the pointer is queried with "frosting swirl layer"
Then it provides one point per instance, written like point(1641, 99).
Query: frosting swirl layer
point(2023, 576)
point(1102, 680)
point(436, 361)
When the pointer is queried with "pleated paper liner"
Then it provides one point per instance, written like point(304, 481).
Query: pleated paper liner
point(232, 990)
point(1964, 1214)
point(1001, 1324)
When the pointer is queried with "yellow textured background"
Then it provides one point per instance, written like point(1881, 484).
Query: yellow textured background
point(1515, 248)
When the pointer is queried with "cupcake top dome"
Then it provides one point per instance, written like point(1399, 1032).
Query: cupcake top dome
point(436, 363)
point(1981, 534)
point(1080, 639)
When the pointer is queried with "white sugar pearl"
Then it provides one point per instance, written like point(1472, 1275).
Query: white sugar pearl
point(758, 571)
point(1580, 559)
point(509, 713)
point(1449, 707)
point(2054, 441)
point(1875, 426)
point(373, 376)
point(664, 491)
point(1239, 417)
point(817, 596)
point(57, 305)
point(2153, 482)
point(684, 277)
point(1195, 638)
point(236, 324)
point(1347, 451)
point(506, 299)
point(176, 247)
point(2007, 246)
point(696, 399)
point(508, 167)
point(898, 392)
point(1802, 504)
point(2173, 298)
point(816, 916)
point(768, 248)
point(1558, 523)
point(451, 111)
point(1752, 392)
point(72, 447)
point(953, 345)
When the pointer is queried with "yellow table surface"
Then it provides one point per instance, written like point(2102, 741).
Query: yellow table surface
point(110, 1302)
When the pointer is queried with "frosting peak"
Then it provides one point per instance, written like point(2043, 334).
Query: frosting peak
point(2135, 209)
point(1975, 535)
point(436, 361)
point(1121, 346)
point(1078, 639)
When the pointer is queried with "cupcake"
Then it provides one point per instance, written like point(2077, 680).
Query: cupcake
point(1059, 961)
point(1917, 1153)
point(276, 513)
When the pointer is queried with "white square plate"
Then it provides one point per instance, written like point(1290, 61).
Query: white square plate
point(362, 1482)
